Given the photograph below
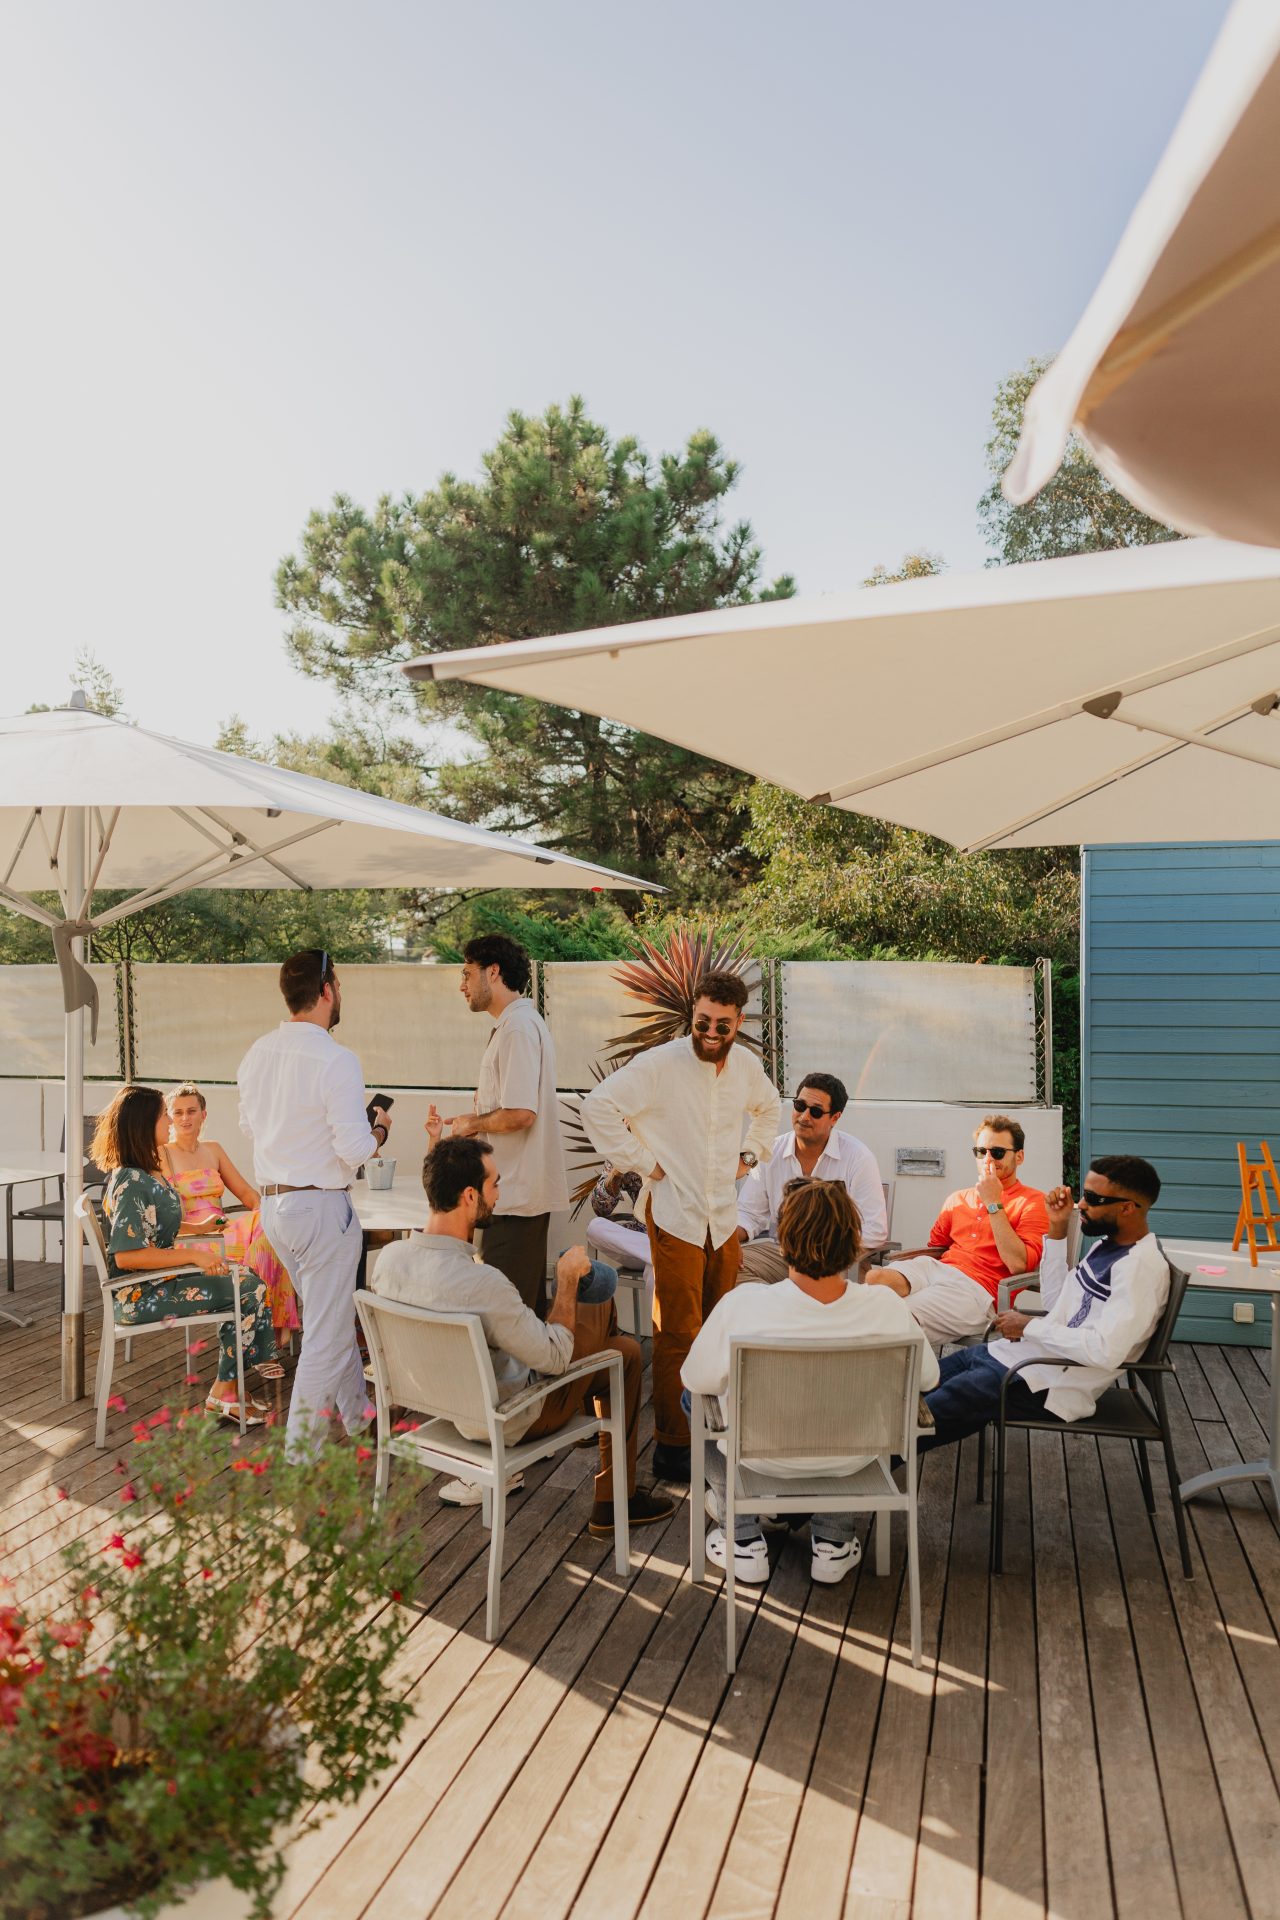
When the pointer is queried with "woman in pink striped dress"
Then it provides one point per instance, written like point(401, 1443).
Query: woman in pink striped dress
point(201, 1171)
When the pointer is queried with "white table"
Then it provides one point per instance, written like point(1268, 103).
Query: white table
point(1235, 1275)
point(34, 1166)
point(395, 1209)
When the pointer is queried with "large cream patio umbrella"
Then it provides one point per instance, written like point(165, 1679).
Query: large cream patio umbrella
point(1125, 696)
point(88, 803)
point(1172, 375)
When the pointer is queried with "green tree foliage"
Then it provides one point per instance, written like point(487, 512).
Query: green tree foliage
point(1079, 511)
point(566, 529)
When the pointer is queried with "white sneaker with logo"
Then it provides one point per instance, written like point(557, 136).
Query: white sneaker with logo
point(750, 1557)
point(466, 1493)
point(830, 1562)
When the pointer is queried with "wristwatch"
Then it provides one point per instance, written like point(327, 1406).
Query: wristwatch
point(995, 1206)
point(749, 1160)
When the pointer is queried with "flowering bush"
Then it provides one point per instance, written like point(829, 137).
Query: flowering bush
point(240, 1613)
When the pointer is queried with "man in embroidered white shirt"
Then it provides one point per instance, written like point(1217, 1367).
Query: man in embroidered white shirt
point(811, 1149)
point(692, 1117)
point(1101, 1314)
point(302, 1104)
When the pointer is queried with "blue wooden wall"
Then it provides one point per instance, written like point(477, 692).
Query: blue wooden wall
point(1180, 1043)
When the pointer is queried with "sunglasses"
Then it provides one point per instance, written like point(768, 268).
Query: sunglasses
point(1090, 1198)
point(713, 1026)
point(997, 1153)
point(807, 1106)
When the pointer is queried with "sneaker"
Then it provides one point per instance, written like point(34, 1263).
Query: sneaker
point(711, 1507)
point(645, 1508)
point(750, 1557)
point(468, 1493)
point(830, 1562)
point(671, 1463)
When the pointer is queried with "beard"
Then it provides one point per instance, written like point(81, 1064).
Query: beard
point(484, 1214)
point(709, 1050)
point(335, 1014)
point(480, 998)
point(1088, 1224)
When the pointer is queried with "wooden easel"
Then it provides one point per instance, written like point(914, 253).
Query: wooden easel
point(1253, 1187)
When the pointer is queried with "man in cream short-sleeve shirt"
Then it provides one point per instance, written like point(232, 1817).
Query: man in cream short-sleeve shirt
point(518, 1109)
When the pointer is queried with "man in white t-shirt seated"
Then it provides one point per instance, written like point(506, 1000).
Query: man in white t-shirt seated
point(818, 1234)
point(1100, 1315)
point(812, 1148)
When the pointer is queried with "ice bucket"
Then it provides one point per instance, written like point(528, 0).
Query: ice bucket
point(380, 1173)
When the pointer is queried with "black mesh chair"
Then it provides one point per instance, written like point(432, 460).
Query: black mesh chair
point(50, 1212)
point(1136, 1412)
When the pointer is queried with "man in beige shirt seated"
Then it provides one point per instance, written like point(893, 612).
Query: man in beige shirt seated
point(439, 1270)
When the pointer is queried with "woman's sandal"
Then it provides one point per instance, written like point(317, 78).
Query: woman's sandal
point(255, 1413)
point(271, 1370)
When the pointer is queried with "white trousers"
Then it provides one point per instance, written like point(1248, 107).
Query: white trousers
point(318, 1238)
point(945, 1302)
point(622, 1244)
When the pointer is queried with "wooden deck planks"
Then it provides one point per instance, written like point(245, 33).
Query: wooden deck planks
point(1089, 1734)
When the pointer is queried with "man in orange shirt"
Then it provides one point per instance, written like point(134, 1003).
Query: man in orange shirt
point(984, 1234)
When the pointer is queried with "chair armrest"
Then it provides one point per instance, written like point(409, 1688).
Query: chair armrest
point(534, 1395)
point(166, 1273)
point(1015, 1283)
point(876, 1256)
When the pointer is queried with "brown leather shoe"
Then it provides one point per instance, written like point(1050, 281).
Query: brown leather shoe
point(645, 1508)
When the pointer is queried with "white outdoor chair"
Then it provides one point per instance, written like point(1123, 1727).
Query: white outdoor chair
point(877, 1256)
point(438, 1364)
point(813, 1399)
point(113, 1335)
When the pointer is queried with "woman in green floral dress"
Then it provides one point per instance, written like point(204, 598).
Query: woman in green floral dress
point(144, 1215)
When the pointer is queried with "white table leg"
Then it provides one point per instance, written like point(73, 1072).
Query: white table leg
point(1268, 1469)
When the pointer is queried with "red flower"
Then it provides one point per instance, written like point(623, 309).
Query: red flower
point(396, 1594)
point(191, 1379)
point(197, 1346)
point(130, 1560)
point(117, 1404)
point(60, 1493)
point(364, 1453)
point(128, 1495)
point(206, 1573)
point(115, 1542)
point(406, 1426)
point(140, 1433)
point(69, 1635)
point(171, 1786)
point(90, 1593)
point(370, 1411)
point(160, 1419)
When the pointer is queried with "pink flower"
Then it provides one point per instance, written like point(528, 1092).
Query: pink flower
point(370, 1411)
point(117, 1404)
point(191, 1379)
point(160, 1419)
point(197, 1346)
point(60, 1493)
point(406, 1426)
point(128, 1495)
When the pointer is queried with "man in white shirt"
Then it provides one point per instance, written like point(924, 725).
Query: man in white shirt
point(1101, 1314)
point(812, 1148)
point(518, 1109)
point(818, 1233)
point(678, 1114)
point(302, 1104)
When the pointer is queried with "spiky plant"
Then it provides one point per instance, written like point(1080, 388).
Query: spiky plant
point(662, 976)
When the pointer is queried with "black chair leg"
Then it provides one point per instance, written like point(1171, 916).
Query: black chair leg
point(997, 1502)
point(1171, 1468)
point(1144, 1474)
point(982, 1465)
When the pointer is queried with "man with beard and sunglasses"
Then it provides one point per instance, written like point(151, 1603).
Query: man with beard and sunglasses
point(302, 1104)
point(984, 1234)
point(438, 1270)
point(1100, 1315)
point(814, 1148)
point(692, 1117)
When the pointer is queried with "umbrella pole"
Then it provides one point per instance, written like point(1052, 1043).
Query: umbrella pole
point(73, 1136)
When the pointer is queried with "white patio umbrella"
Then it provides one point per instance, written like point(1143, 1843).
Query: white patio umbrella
point(1106, 698)
point(88, 803)
point(1173, 375)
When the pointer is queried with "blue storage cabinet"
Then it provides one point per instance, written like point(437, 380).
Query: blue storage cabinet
point(1180, 1039)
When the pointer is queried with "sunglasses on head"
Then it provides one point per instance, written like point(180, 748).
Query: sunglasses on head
point(997, 1153)
point(325, 964)
point(807, 1106)
point(712, 1026)
point(1089, 1197)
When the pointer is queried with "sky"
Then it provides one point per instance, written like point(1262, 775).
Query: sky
point(257, 254)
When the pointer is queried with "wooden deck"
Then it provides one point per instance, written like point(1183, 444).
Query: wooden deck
point(1090, 1734)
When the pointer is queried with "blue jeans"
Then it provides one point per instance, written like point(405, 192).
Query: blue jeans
point(967, 1397)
